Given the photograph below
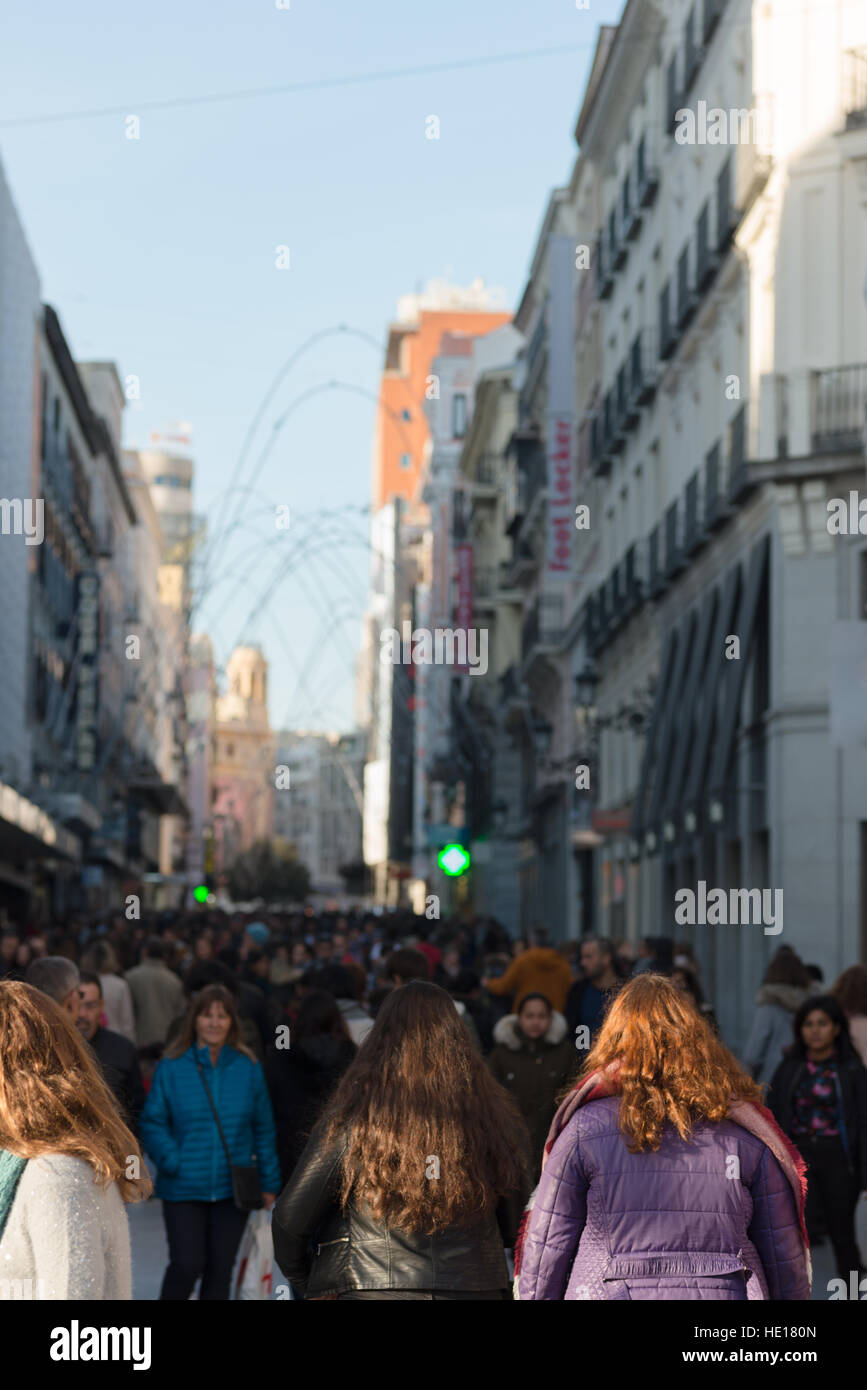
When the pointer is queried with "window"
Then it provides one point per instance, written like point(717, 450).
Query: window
point(405, 461)
point(723, 205)
point(459, 415)
point(405, 415)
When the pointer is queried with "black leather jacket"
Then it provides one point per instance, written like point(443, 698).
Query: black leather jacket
point(324, 1251)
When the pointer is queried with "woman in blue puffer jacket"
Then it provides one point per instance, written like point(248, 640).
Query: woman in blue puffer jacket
point(179, 1131)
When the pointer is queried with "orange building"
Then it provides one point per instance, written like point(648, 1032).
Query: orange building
point(401, 432)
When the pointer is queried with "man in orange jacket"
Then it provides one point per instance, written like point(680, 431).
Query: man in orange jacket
point(538, 970)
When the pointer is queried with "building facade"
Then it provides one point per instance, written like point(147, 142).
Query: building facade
point(687, 708)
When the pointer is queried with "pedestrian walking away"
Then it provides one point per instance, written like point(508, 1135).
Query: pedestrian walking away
point(664, 1176)
point(410, 1186)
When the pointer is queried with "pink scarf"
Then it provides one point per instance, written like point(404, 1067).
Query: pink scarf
point(748, 1114)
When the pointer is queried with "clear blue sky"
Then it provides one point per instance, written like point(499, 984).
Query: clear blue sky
point(159, 253)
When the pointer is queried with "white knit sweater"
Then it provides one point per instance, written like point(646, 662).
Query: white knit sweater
point(65, 1238)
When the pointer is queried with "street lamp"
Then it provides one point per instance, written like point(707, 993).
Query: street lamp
point(586, 683)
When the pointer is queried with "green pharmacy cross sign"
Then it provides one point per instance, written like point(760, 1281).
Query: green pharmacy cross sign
point(453, 860)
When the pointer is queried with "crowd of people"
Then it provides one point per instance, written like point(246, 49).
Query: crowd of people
point(429, 1111)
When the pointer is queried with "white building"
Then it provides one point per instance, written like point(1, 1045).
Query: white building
point(728, 143)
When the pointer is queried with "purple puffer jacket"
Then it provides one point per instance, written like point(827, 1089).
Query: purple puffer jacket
point(608, 1224)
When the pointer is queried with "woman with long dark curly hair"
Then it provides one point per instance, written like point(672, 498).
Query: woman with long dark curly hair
point(412, 1183)
point(819, 1096)
point(664, 1176)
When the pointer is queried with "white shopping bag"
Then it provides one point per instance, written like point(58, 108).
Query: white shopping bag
point(254, 1268)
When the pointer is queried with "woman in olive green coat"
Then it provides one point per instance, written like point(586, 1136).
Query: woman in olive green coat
point(533, 1058)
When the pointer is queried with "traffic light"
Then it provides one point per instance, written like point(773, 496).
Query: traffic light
point(453, 860)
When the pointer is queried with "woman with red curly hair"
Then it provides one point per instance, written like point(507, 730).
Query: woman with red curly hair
point(664, 1176)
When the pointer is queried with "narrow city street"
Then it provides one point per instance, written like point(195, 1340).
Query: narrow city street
point(433, 715)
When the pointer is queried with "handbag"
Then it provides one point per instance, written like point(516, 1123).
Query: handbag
point(246, 1186)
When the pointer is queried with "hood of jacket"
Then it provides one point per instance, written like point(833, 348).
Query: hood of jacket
point(788, 997)
point(544, 958)
point(350, 1008)
point(508, 1033)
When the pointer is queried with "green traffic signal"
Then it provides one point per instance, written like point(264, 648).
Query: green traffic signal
point(201, 893)
point(453, 860)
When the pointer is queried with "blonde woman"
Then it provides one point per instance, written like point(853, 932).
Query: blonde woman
point(68, 1163)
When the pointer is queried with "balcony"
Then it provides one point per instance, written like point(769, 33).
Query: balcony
point(624, 419)
point(599, 618)
point(613, 438)
point(488, 469)
point(672, 96)
point(726, 218)
point(855, 87)
point(739, 478)
point(633, 577)
point(631, 219)
point(687, 299)
point(675, 554)
point(838, 402)
point(667, 331)
point(715, 508)
point(755, 149)
point(604, 275)
point(656, 579)
point(646, 177)
point(617, 248)
point(693, 531)
point(642, 369)
point(707, 260)
point(543, 627)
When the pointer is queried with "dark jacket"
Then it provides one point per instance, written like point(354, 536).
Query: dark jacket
point(851, 1105)
point(534, 1071)
point(300, 1080)
point(574, 1008)
point(180, 1134)
point(322, 1250)
point(118, 1058)
point(670, 1225)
